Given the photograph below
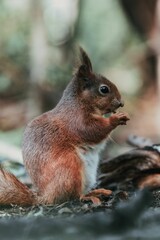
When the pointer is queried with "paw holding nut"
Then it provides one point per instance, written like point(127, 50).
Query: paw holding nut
point(119, 119)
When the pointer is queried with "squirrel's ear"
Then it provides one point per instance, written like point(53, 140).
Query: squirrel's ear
point(85, 59)
point(83, 65)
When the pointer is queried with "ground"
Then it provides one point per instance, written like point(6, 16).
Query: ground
point(137, 217)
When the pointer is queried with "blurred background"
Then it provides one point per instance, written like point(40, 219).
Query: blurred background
point(37, 51)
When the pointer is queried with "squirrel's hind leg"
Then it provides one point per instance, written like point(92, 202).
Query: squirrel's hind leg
point(61, 182)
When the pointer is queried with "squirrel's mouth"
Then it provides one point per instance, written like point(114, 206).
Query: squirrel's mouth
point(114, 108)
point(116, 104)
point(111, 110)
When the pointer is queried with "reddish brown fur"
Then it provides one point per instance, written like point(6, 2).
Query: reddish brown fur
point(12, 191)
point(51, 140)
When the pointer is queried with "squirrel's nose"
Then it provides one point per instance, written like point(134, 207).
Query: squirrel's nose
point(121, 103)
point(118, 103)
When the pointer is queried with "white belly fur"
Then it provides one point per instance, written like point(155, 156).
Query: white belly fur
point(90, 157)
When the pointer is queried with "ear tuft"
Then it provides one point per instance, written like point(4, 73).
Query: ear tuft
point(85, 59)
point(82, 64)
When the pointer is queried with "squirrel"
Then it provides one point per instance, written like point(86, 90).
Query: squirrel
point(61, 147)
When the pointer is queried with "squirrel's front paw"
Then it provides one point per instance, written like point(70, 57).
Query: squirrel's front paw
point(119, 119)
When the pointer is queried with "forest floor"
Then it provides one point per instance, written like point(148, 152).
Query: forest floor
point(137, 217)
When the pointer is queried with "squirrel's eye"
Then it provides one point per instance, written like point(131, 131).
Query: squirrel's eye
point(103, 89)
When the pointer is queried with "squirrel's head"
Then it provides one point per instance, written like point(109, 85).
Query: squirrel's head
point(94, 90)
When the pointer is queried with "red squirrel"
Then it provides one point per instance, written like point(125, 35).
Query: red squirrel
point(61, 147)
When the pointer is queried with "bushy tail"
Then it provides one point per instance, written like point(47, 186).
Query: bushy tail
point(12, 191)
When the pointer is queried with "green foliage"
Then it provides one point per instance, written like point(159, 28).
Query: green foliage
point(104, 31)
point(13, 137)
point(4, 83)
point(58, 76)
point(14, 35)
